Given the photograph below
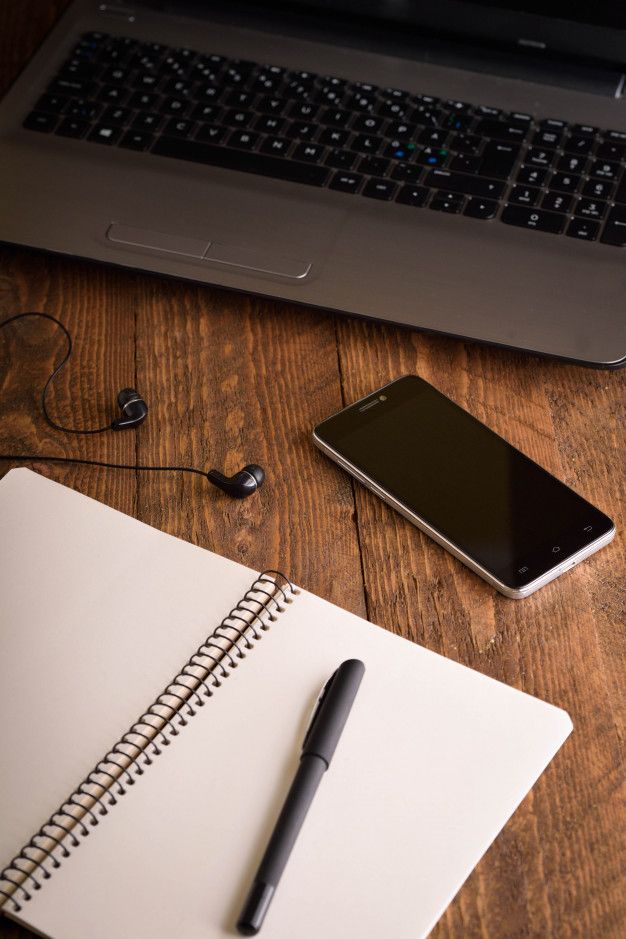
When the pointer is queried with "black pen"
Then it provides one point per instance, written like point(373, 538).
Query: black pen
point(320, 741)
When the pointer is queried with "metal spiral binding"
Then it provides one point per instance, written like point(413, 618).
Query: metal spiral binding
point(203, 672)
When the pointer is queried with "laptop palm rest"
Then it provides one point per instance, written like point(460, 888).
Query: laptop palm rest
point(201, 249)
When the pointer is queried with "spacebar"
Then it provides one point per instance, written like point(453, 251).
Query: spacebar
point(241, 160)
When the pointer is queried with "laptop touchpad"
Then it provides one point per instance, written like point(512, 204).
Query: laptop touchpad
point(213, 253)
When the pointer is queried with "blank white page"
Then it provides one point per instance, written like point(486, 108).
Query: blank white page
point(433, 761)
point(97, 613)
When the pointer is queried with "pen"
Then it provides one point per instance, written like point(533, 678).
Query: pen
point(318, 747)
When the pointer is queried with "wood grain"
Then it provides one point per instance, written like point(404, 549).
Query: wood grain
point(233, 379)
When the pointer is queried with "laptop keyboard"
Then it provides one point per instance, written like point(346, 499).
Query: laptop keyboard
point(542, 174)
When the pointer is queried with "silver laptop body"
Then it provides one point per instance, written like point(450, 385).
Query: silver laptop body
point(446, 273)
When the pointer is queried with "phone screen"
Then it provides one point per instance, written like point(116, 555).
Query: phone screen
point(499, 507)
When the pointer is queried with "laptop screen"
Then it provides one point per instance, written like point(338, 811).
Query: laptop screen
point(594, 30)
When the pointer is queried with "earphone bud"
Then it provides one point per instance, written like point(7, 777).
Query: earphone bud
point(134, 409)
point(242, 484)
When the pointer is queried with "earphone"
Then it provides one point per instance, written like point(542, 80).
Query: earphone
point(134, 412)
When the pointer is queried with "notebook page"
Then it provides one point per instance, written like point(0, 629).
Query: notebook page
point(433, 760)
point(97, 613)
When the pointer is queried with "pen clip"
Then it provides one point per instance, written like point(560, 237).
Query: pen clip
point(316, 708)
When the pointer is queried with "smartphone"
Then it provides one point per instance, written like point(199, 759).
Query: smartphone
point(501, 514)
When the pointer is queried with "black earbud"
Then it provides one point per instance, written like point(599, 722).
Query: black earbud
point(134, 409)
point(242, 484)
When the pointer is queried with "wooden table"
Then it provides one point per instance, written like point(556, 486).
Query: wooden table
point(232, 379)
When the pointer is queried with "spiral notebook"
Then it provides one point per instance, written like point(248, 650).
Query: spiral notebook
point(153, 700)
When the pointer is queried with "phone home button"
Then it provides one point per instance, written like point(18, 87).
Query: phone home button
point(556, 549)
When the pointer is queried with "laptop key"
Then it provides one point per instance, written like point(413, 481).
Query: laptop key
point(242, 161)
point(524, 195)
point(341, 159)
point(556, 202)
point(39, 120)
point(531, 175)
point(115, 115)
point(382, 189)
point(276, 146)
point(591, 208)
point(243, 140)
point(406, 172)
point(459, 182)
point(432, 156)
point(52, 104)
point(583, 230)
point(211, 133)
point(336, 117)
point(400, 150)
point(598, 189)
point(611, 151)
point(569, 163)
point(72, 86)
point(112, 94)
point(547, 138)
point(367, 123)
point(105, 133)
point(467, 143)
point(620, 195)
point(70, 127)
point(143, 100)
point(209, 113)
point(299, 130)
point(565, 182)
point(451, 202)
point(269, 124)
point(498, 159)
point(374, 166)
point(147, 121)
point(578, 144)
point(401, 130)
point(466, 164)
point(413, 195)
point(238, 118)
point(137, 140)
point(536, 156)
point(179, 127)
point(333, 137)
point(309, 152)
point(585, 130)
point(535, 219)
point(303, 111)
point(604, 169)
point(615, 229)
point(366, 144)
point(500, 130)
point(480, 208)
point(346, 182)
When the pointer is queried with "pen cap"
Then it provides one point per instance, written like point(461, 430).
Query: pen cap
point(332, 710)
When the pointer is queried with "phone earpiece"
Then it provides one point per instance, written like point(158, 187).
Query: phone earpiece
point(241, 484)
point(134, 409)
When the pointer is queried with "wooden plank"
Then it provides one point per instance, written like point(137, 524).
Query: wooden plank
point(557, 869)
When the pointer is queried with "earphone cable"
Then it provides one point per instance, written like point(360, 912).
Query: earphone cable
point(25, 458)
point(55, 372)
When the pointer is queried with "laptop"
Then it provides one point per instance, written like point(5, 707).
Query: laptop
point(452, 167)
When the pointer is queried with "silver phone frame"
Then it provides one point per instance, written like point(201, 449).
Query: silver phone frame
point(423, 525)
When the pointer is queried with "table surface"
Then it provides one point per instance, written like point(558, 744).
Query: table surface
point(232, 379)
